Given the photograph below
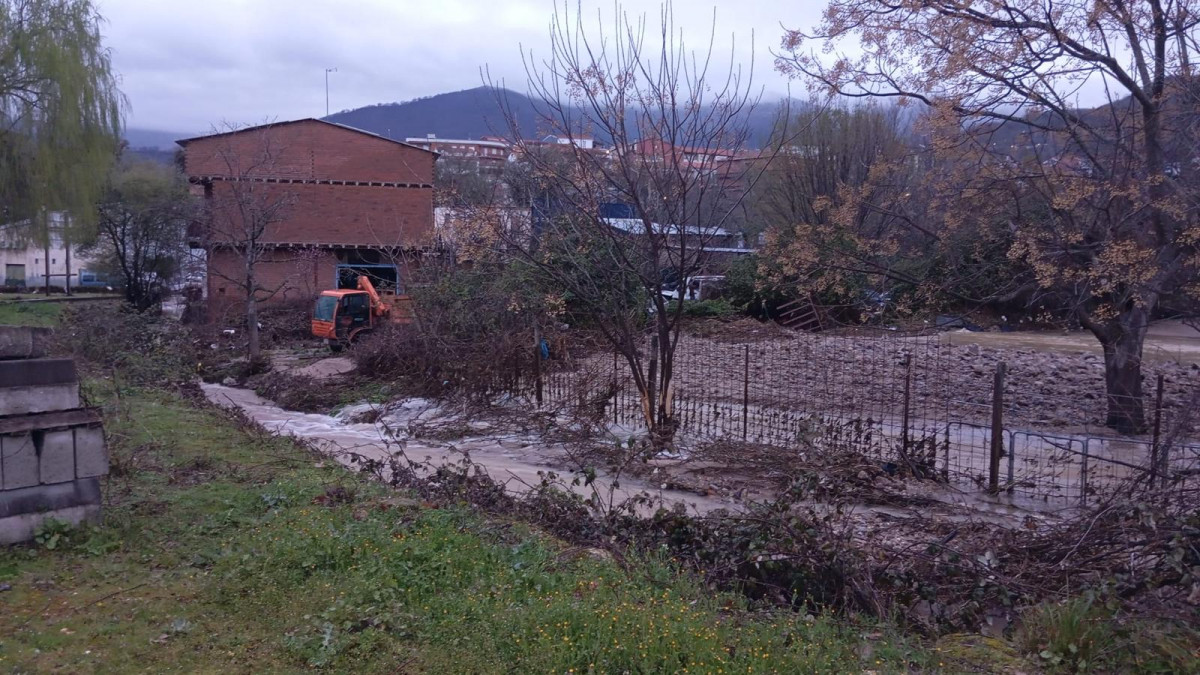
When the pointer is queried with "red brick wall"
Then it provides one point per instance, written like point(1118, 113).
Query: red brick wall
point(298, 274)
point(312, 150)
point(309, 150)
point(328, 214)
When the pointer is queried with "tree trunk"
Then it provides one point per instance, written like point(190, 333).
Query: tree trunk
point(1122, 346)
point(46, 260)
point(252, 348)
point(67, 251)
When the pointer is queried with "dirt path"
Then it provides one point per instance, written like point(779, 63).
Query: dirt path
point(517, 460)
point(1165, 341)
point(317, 364)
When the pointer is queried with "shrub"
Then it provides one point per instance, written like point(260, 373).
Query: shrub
point(285, 322)
point(1070, 637)
point(713, 309)
point(435, 365)
point(719, 308)
point(138, 347)
point(752, 291)
point(474, 333)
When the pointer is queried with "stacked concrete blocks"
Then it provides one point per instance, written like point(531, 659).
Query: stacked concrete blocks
point(52, 450)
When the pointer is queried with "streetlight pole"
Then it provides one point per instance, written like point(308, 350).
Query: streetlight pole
point(327, 72)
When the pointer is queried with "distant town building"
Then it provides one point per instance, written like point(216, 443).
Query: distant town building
point(25, 261)
point(489, 150)
point(579, 142)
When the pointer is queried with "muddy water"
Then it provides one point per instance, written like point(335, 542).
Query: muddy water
point(519, 460)
point(516, 460)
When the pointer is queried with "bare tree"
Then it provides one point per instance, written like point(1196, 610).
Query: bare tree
point(142, 223)
point(243, 206)
point(615, 227)
point(1102, 202)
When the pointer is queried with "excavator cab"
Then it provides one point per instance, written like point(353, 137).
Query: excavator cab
point(341, 316)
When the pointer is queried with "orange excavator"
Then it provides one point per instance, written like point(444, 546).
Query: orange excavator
point(342, 316)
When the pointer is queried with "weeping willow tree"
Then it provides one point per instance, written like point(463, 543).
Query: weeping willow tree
point(60, 117)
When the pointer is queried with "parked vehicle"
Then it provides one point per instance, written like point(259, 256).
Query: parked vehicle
point(700, 287)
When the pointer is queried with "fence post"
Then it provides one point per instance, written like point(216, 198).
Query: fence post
point(946, 456)
point(1156, 450)
point(537, 365)
point(997, 448)
point(746, 395)
point(904, 438)
point(1012, 459)
point(1083, 471)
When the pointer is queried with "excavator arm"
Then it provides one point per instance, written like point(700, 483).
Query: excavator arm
point(378, 306)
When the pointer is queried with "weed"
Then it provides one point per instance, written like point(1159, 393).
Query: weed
point(51, 534)
point(1081, 635)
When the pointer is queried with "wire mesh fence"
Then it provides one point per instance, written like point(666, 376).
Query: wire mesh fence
point(1033, 428)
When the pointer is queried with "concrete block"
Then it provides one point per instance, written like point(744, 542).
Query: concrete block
point(57, 461)
point(22, 527)
point(49, 497)
point(37, 372)
point(57, 419)
point(91, 455)
point(38, 385)
point(47, 398)
point(19, 460)
point(23, 342)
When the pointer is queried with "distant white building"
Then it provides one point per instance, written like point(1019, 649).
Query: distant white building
point(579, 142)
point(23, 259)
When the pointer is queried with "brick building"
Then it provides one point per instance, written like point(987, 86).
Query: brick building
point(342, 201)
point(490, 152)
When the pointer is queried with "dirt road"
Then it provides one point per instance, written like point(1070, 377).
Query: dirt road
point(1165, 341)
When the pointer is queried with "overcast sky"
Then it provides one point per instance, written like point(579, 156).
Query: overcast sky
point(187, 66)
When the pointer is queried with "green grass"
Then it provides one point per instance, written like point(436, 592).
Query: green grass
point(1082, 636)
point(225, 549)
point(29, 313)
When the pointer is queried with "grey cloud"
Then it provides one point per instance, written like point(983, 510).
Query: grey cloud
point(188, 66)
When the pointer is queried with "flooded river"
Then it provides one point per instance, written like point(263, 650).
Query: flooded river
point(518, 460)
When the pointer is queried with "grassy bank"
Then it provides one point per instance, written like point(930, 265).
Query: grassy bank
point(29, 313)
point(226, 549)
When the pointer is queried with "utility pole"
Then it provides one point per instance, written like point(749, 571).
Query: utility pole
point(327, 72)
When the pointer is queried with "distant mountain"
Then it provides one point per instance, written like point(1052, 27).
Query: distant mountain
point(462, 114)
point(154, 145)
point(152, 138)
point(474, 113)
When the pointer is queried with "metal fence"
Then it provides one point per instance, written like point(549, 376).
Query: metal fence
point(1032, 428)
